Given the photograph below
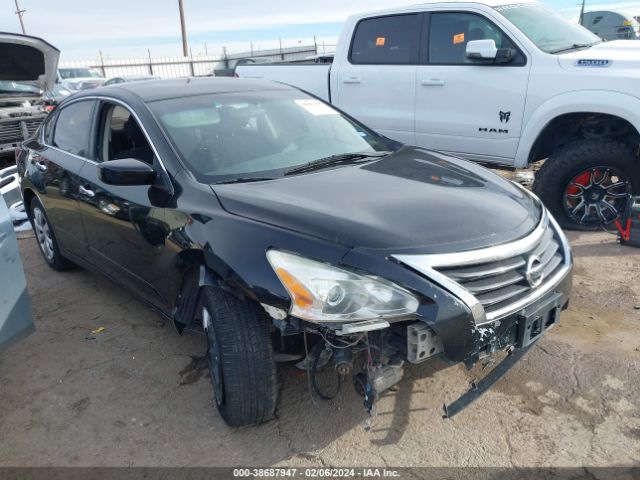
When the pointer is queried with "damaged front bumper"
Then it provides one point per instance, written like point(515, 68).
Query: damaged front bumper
point(515, 334)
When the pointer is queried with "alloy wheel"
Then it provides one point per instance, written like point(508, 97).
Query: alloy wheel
point(43, 234)
point(597, 196)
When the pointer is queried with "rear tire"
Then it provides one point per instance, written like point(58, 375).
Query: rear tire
point(240, 357)
point(558, 176)
point(46, 238)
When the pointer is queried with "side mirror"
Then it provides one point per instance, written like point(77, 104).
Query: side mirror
point(128, 171)
point(486, 50)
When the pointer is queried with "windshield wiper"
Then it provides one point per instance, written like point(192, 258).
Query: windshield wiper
point(340, 159)
point(243, 180)
point(575, 46)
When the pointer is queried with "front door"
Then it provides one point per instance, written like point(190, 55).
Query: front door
point(376, 84)
point(463, 106)
point(126, 232)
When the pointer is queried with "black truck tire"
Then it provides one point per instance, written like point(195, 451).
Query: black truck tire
point(240, 357)
point(46, 239)
point(569, 167)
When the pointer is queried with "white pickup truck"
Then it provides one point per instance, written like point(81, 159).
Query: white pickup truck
point(495, 82)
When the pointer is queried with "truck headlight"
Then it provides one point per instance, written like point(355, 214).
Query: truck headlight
point(324, 293)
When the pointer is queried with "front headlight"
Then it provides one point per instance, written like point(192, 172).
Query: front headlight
point(323, 293)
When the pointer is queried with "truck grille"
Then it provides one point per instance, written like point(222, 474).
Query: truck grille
point(11, 130)
point(497, 281)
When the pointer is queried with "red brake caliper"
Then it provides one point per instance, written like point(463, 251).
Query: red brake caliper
point(582, 179)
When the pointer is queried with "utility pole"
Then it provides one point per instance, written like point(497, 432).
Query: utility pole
point(20, 12)
point(581, 21)
point(185, 49)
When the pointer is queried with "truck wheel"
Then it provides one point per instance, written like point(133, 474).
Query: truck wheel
point(46, 238)
point(587, 184)
point(240, 357)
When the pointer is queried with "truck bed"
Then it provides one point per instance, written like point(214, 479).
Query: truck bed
point(313, 78)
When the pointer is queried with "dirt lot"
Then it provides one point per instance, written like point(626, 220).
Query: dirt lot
point(138, 394)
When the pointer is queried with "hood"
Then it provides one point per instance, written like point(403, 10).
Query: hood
point(29, 60)
point(618, 54)
point(413, 199)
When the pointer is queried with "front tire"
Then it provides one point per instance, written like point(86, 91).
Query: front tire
point(46, 238)
point(587, 184)
point(240, 357)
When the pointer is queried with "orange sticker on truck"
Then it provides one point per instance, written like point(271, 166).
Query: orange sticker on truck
point(380, 41)
point(458, 38)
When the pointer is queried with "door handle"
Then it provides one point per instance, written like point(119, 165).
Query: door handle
point(432, 82)
point(40, 165)
point(351, 80)
point(86, 191)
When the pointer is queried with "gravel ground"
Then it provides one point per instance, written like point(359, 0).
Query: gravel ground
point(138, 394)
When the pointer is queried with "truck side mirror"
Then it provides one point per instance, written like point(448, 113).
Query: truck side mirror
point(486, 50)
point(482, 49)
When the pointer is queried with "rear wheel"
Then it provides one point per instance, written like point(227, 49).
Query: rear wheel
point(46, 238)
point(588, 184)
point(240, 357)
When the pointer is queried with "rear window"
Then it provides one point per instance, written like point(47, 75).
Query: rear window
point(386, 41)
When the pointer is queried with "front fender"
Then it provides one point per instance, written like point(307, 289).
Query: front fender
point(596, 101)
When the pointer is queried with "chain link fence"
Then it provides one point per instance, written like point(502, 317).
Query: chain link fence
point(173, 67)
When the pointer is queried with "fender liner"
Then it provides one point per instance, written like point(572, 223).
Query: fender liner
point(189, 297)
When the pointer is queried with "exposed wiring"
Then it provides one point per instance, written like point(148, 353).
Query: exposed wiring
point(312, 376)
point(309, 379)
point(355, 342)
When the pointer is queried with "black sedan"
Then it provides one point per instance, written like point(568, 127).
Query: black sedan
point(284, 229)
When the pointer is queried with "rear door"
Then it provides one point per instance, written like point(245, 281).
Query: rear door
point(125, 231)
point(15, 308)
point(463, 106)
point(376, 83)
point(54, 167)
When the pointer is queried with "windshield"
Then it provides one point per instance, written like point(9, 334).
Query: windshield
point(16, 88)
point(258, 134)
point(551, 32)
point(67, 73)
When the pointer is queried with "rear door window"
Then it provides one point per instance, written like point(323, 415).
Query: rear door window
point(392, 40)
point(73, 128)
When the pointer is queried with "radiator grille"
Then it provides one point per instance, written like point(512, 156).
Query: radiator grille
point(11, 131)
point(500, 283)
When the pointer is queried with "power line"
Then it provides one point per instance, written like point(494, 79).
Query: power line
point(20, 12)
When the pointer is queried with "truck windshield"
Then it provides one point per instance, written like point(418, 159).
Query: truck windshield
point(551, 32)
point(256, 135)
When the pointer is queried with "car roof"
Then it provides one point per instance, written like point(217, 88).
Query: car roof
point(153, 90)
point(430, 3)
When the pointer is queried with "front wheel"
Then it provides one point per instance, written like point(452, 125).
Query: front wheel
point(588, 184)
point(240, 357)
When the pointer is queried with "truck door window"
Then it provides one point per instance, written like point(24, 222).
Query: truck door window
point(391, 40)
point(450, 32)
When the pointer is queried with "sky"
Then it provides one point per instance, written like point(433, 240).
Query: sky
point(135, 28)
